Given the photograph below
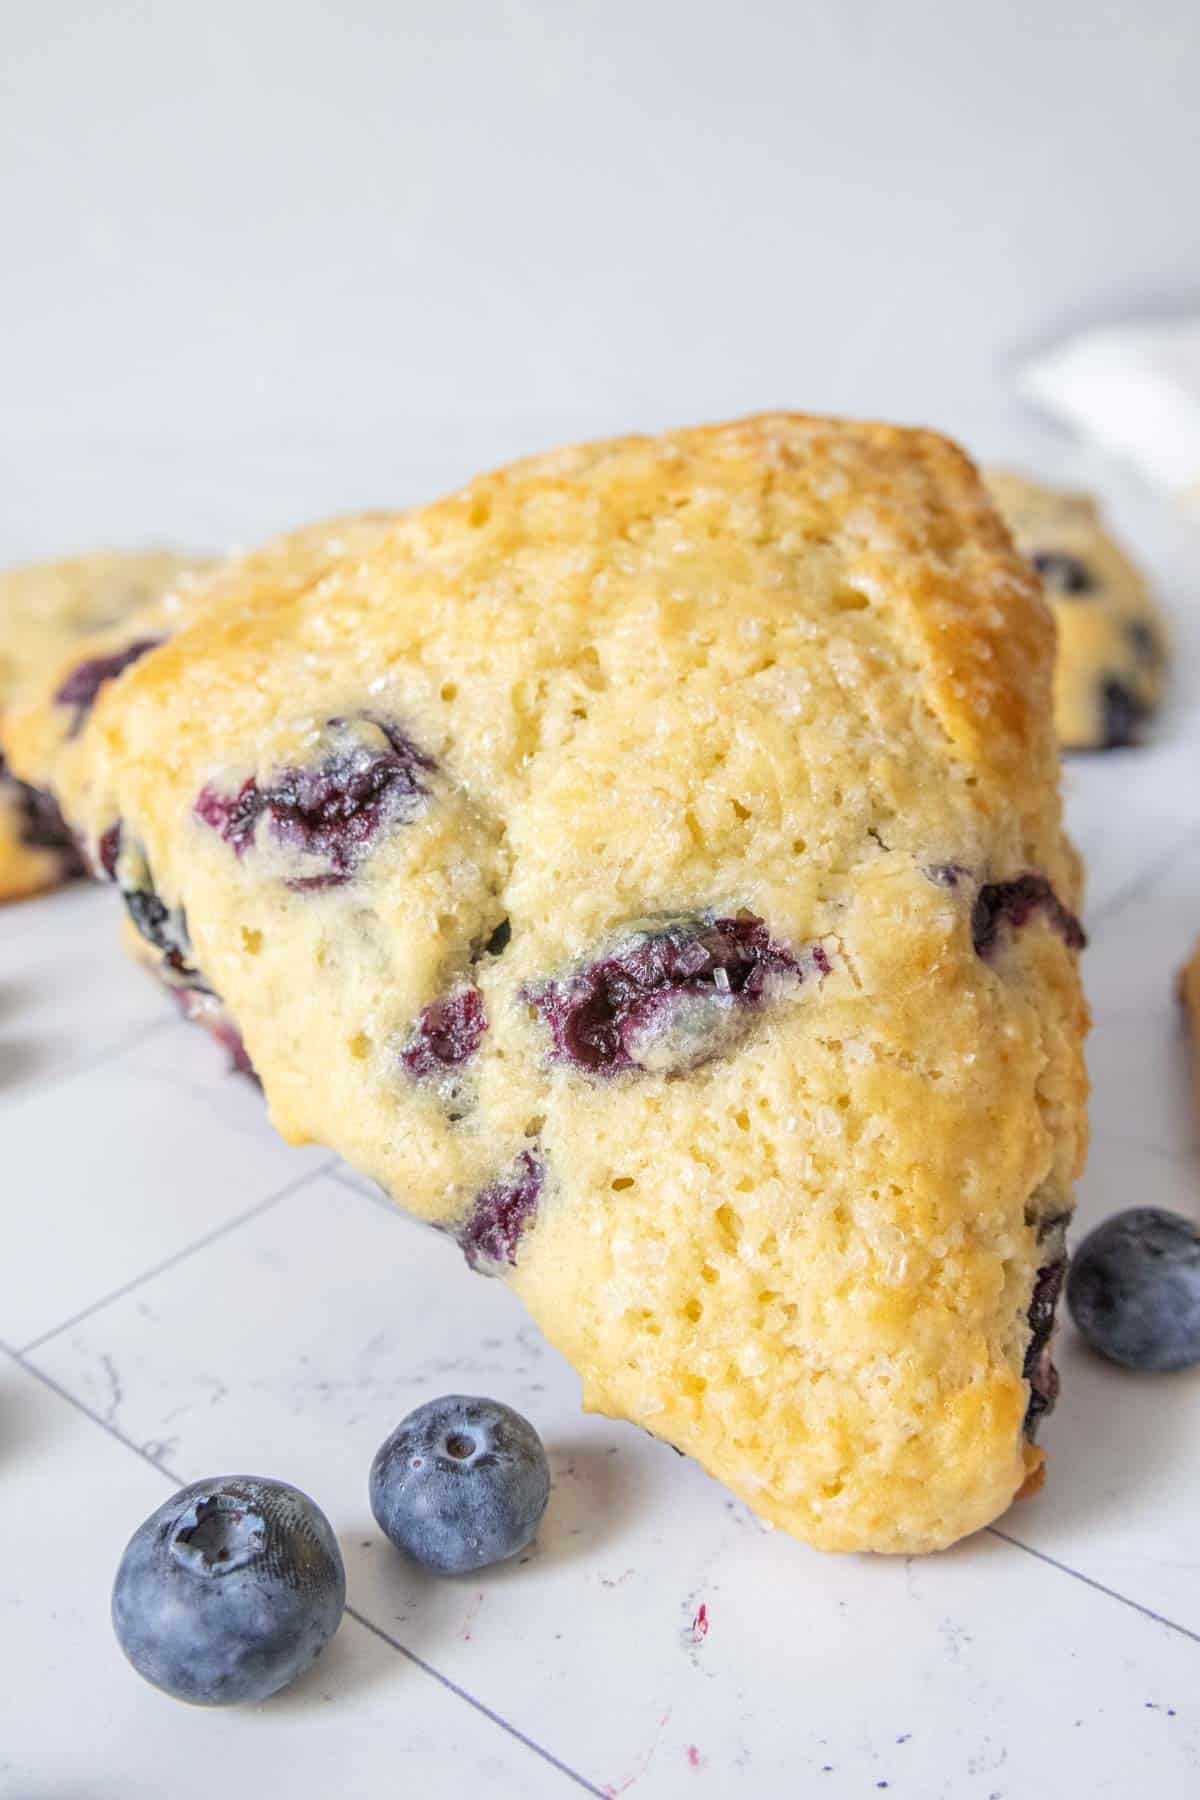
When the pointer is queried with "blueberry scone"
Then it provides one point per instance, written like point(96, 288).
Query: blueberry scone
point(1112, 642)
point(647, 865)
point(44, 608)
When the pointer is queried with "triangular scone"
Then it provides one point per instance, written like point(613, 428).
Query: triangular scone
point(45, 608)
point(647, 865)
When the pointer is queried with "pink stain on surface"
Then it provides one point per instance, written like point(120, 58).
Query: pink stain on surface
point(693, 1756)
point(612, 1789)
point(472, 1612)
point(700, 1625)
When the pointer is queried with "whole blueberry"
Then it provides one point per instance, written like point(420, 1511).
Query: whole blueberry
point(229, 1591)
point(1134, 1289)
point(460, 1483)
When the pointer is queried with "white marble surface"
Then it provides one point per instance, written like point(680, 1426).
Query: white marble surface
point(183, 1295)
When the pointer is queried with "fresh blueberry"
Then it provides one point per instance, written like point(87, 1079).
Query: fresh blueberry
point(229, 1591)
point(1014, 903)
point(371, 775)
point(667, 998)
point(1063, 573)
point(460, 1483)
point(491, 1232)
point(85, 680)
point(1134, 1289)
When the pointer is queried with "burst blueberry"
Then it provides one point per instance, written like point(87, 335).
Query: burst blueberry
point(461, 1483)
point(83, 684)
point(229, 1591)
point(1039, 1369)
point(1134, 1289)
point(448, 1033)
point(490, 1234)
point(1014, 903)
point(330, 813)
point(667, 998)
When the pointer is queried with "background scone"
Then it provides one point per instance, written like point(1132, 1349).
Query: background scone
point(1112, 641)
point(44, 608)
point(647, 865)
point(59, 693)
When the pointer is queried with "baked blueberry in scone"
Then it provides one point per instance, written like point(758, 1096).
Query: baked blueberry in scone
point(44, 609)
point(1113, 645)
point(647, 864)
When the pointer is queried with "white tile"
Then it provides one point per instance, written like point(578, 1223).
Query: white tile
point(1123, 1449)
point(1140, 1055)
point(362, 1184)
point(122, 1165)
point(1126, 818)
point(983, 1671)
point(67, 994)
point(1123, 1472)
point(78, 1724)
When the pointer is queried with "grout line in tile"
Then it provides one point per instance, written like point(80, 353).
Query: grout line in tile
point(86, 1064)
point(385, 1637)
point(1147, 1612)
point(495, 1717)
point(178, 1256)
point(362, 1186)
point(383, 1201)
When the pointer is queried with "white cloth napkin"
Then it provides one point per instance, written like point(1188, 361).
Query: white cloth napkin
point(1133, 391)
